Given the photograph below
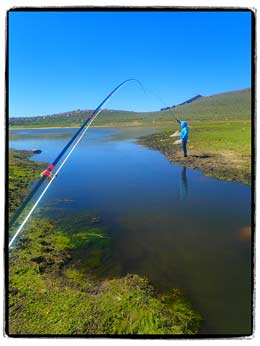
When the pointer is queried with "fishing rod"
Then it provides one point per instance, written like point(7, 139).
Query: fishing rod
point(48, 171)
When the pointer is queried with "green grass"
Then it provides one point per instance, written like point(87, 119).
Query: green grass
point(21, 172)
point(50, 293)
point(226, 136)
point(226, 106)
point(221, 149)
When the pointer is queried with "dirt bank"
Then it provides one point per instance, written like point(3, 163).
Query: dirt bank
point(223, 165)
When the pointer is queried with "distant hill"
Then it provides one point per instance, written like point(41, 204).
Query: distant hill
point(230, 105)
point(191, 100)
point(183, 103)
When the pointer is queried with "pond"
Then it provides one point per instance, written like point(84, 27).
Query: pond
point(173, 225)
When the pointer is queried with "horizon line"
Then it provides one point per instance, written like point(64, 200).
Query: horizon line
point(125, 110)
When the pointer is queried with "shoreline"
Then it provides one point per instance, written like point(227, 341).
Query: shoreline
point(207, 155)
point(46, 128)
point(130, 124)
point(50, 256)
point(94, 126)
point(227, 166)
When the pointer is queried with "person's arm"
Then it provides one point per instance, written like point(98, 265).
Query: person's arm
point(178, 121)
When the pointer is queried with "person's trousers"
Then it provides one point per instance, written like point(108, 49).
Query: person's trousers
point(184, 147)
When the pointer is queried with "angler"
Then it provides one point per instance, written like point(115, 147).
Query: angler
point(184, 135)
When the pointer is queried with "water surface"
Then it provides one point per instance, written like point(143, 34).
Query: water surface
point(171, 224)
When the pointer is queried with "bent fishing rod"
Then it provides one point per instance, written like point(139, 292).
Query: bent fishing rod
point(48, 171)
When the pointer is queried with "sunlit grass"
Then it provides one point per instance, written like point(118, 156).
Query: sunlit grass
point(227, 106)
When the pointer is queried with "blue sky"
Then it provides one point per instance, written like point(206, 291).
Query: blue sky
point(61, 61)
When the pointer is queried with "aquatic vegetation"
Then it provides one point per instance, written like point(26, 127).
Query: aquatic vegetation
point(62, 281)
point(21, 172)
point(51, 293)
point(137, 309)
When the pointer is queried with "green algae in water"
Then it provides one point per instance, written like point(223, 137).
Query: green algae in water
point(51, 294)
point(57, 285)
point(22, 172)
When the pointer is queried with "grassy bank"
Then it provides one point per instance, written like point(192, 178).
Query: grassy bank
point(225, 106)
point(62, 281)
point(221, 149)
point(22, 172)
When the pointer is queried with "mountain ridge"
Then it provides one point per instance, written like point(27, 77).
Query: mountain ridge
point(228, 105)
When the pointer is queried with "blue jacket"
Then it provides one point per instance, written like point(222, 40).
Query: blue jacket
point(185, 131)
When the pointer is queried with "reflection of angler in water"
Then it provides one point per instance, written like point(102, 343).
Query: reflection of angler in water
point(183, 185)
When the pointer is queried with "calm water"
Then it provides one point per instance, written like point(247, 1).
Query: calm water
point(171, 224)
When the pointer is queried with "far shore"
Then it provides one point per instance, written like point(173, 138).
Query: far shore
point(113, 125)
point(51, 127)
point(46, 128)
point(95, 126)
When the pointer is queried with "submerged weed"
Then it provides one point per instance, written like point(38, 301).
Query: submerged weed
point(49, 293)
point(57, 284)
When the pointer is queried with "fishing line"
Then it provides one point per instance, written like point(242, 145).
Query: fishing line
point(48, 171)
point(157, 96)
point(161, 100)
